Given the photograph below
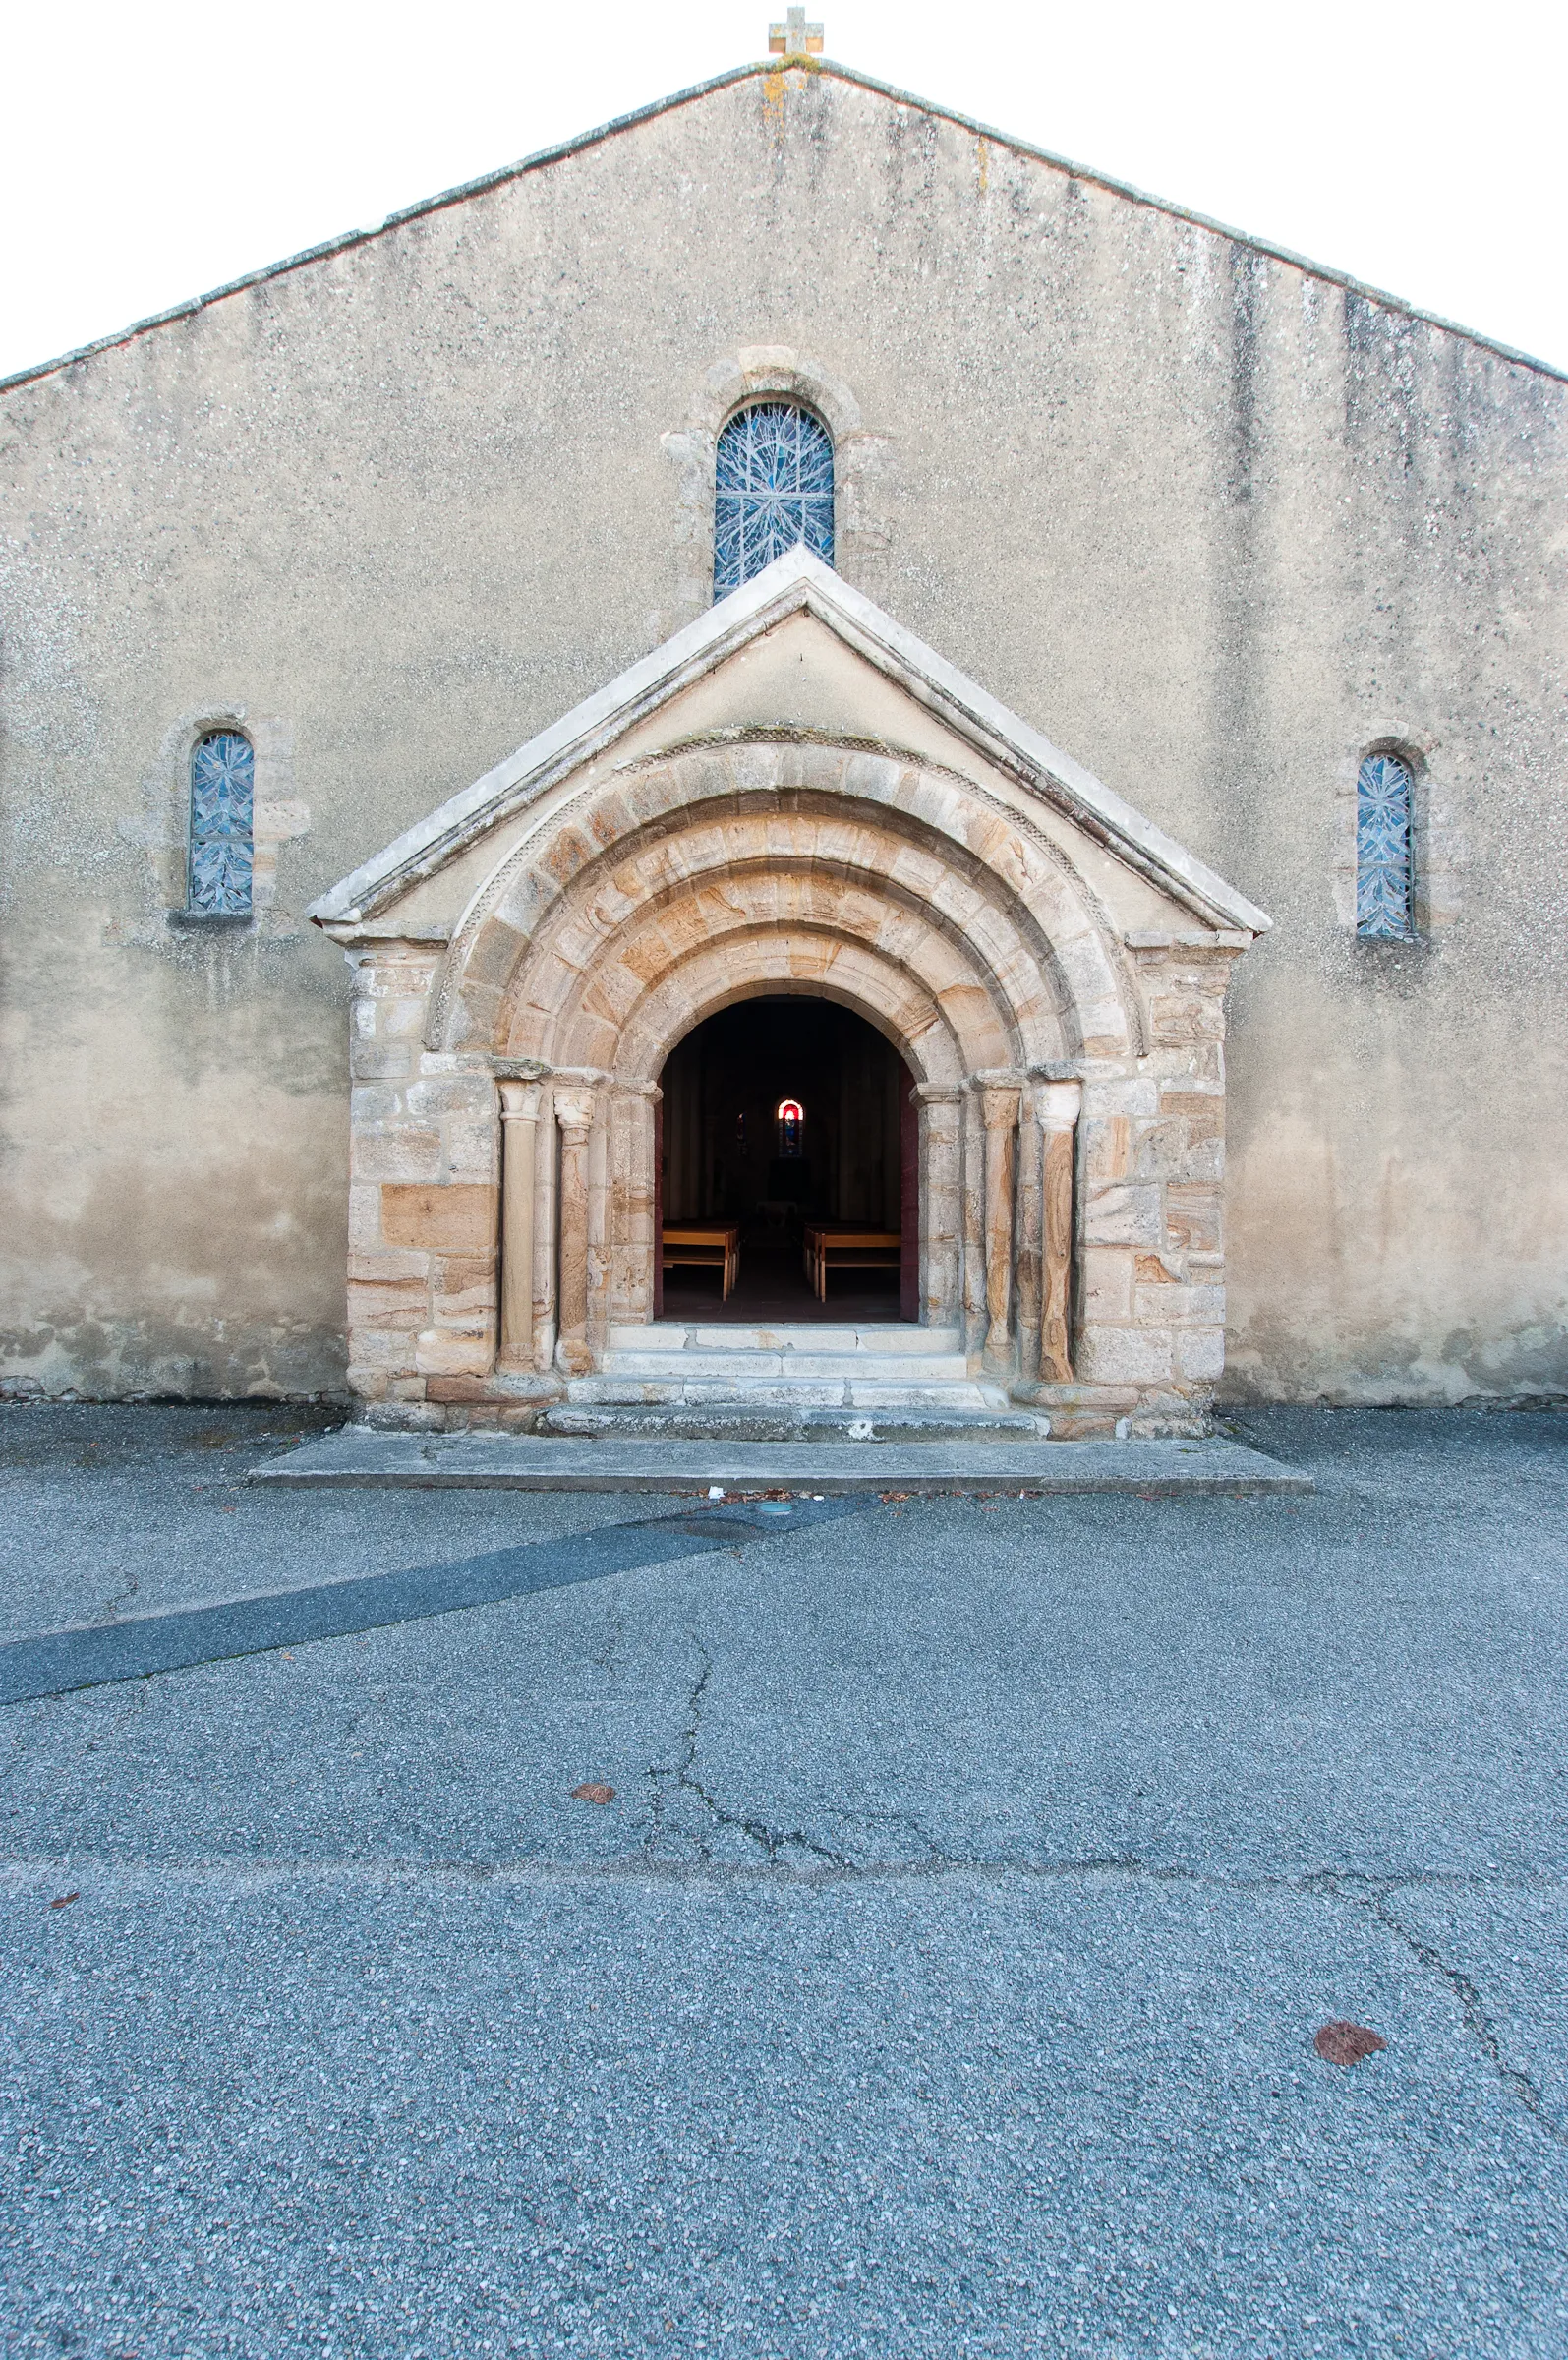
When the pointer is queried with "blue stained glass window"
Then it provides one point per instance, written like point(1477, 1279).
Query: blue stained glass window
point(773, 488)
point(791, 1119)
point(222, 797)
point(1382, 849)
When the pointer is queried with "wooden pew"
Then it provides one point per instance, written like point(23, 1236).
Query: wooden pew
point(705, 1245)
point(848, 1250)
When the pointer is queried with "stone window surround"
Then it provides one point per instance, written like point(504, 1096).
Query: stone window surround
point(279, 817)
point(760, 371)
point(1435, 885)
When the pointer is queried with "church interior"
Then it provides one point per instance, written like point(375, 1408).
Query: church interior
point(786, 1118)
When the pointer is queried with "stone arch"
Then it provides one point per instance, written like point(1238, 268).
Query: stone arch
point(580, 1015)
point(635, 905)
point(716, 976)
point(703, 818)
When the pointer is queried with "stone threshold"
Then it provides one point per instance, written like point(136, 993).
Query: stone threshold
point(358, 1456)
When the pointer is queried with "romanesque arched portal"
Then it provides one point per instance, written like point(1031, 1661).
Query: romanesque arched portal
point(1035, 959)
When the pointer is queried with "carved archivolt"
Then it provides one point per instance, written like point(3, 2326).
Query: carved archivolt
point(641, 905)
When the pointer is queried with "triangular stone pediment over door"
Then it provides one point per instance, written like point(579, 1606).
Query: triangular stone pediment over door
point(791, 795)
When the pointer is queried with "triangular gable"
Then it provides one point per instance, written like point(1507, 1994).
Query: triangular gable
point(793, 583)
point(770, 68)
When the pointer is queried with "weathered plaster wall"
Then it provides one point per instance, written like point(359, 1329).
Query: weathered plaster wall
point(1216, 526)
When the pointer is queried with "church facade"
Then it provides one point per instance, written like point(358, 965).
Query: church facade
point(793, 671)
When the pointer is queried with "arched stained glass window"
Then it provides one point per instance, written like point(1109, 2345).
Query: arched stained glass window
point(792, 1121)
point(772, 487)
point(1383, 905)
point(222, 800)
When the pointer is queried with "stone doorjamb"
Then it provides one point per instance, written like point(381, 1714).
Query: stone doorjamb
point(502, 1210)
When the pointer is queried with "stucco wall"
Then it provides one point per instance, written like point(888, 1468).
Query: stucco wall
point(1215, 524)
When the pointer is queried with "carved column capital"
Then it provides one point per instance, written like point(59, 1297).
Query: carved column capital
point(999, 1105)
point(520, 1102)
point(575, 1111)
point(1058, 1104)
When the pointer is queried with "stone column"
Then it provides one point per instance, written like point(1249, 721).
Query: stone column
point(519, 1158)
point(633, 1185)
point(1056, 1108)
point(941, 1206)
point(599, 1225)
point(999, 1111)
point(574, 1113)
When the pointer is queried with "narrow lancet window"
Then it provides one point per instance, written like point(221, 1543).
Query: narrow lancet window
point(1383, 903)
point(223, 798)
point(791, 1119)
point(773, 488)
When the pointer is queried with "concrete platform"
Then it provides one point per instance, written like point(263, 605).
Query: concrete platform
point(361, 1456)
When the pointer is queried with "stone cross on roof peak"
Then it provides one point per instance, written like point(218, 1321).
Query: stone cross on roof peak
point(794, 38)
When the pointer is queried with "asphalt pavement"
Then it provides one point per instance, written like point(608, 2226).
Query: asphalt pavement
point(941, 1978)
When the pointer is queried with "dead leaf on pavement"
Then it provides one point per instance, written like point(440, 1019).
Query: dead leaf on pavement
point(61, 1899)
point(593, 1791)
point(1345, 2044)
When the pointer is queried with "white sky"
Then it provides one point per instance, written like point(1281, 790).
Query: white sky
point(153, 151)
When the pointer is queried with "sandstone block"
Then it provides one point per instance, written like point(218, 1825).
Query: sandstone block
point(436, 1096)
point(1202, 1111)
point(401, 1020)
point(1080, 1397)
point(398, 1303)
point(382, 1264)
point(1179, 1020)
point(1131, 1095)
point(364, 1218)
point(1124, 1355)
point(1107, 1148)
point(1203, 1161)
point(442, 1352)
point(471, 1147)
point(471, 1310)
point(1124, 1216)
point(1158, 1150)
point(456, 1273)
point(397, 1155)
point(1200, 1353)
point(1184, 1306)
point(376, 1061)
point(384, 1348)
point(1192, 1214)
point(374, 1102)
point(1107, 1282)
point(457, 1218)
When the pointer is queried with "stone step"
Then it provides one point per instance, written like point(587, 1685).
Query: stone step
point(523, 1462)
point(796, 1394)
point(802, 1368)
point(753, 1422)
point(882, 1337)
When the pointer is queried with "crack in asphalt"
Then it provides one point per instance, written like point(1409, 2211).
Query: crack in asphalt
point(1374, 1901)
point(829, 1868)
point(679, 1777)
point(112, 1606)
point(778, 1845)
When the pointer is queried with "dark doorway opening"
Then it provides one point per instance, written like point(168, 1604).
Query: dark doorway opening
point(786, 1118)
